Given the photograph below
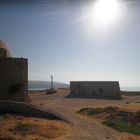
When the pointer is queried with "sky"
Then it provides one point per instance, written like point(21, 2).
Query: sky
point(66, 39)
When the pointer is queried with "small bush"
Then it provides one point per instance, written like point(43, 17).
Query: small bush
point(137, 114)
point(90, 111)
point(22, 128)
point(123, 126)
point(95, 111)
point(126, 102)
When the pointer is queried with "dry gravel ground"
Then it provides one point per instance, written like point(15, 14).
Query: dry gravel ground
point(13, 127)
point(84, 127)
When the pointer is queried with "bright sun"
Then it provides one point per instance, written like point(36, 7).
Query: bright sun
point(105, 12)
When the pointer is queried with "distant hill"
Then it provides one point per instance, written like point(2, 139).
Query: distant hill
point(38, 85)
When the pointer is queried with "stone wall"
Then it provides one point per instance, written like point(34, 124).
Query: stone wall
point(2, 52)
point(13, 79)
point(26, 109)
point(95, 89)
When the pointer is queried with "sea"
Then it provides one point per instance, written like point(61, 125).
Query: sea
point(129, 88)
point(42, 85)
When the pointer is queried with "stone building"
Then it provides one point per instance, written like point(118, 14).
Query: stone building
point(13, 76)
point(14, 88)
point(95, 89)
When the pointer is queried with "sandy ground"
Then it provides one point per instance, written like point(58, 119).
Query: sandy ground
point(85, 128)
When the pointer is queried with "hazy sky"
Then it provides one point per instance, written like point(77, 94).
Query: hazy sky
point(61, 37)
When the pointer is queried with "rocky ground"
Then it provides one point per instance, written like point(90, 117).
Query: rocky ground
point(84, 127)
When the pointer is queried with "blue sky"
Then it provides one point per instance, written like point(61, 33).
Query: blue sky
point(56, 41)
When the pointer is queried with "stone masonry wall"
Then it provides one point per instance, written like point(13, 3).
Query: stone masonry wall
point(26, 109)
point(95, 89)
point(13, 79)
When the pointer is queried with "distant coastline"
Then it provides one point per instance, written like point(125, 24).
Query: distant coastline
point(43, 85)
point(130, 88)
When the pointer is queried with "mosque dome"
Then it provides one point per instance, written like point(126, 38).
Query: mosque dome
point(4, 52)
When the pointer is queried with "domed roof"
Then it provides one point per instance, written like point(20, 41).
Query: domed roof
point(4, 49)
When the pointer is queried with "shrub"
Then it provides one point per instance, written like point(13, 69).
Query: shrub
point(95, 111)
point(22, 127)
point(137, 114)
point(123, 126)
point(126, 102)
point(90, 111)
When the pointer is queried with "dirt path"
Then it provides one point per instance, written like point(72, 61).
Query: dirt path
point(87, 129)
point(84, 128)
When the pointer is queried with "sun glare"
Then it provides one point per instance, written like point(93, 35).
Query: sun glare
point(105, 12)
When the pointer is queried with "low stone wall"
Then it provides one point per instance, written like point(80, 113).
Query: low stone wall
point(27, 109)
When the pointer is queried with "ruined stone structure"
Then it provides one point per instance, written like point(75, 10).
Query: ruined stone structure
point(14, 87)
point(13, 79)
point(13, 76)
point(95, 89)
